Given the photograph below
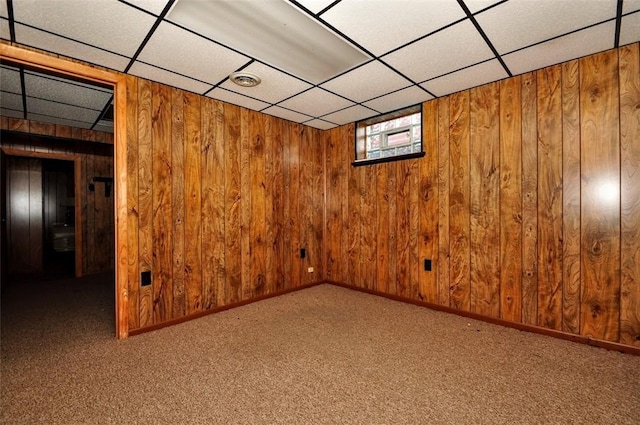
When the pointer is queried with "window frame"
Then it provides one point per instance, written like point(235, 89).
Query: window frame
point(360, 142)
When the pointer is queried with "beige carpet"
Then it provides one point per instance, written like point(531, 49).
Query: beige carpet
point(324, 355)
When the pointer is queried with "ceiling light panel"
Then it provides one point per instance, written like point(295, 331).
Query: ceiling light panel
point(474, 76)
point(575, 45)
point(316, 102)
point(153, 73)
point(322, 125)
point(181, 51)
point(273, 31)
point(275, 85)
point(368, 81)
point(448, 50)
point(380, 26)
point(348, 115)
point(630, 29)
point(237, 99)
point(62, 46)
point(65, 91)
point(520, 23)
point(286, 114)
point(396, 100)
point(106, 24)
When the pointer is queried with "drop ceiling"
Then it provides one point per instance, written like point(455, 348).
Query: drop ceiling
point(414, 50)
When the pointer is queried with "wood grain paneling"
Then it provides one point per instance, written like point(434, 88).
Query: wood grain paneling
point(179, 305)
point(525, 230)
point(232, 182)
point(133, 262)
point(510, 212)
point(549, 197)
point(629, 57)
point(484, 205)
point(600, 206)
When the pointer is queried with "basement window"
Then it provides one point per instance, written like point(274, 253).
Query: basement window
point(389, 137)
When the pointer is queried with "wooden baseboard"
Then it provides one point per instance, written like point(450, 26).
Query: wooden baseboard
point(178, 320)
point(614, 346)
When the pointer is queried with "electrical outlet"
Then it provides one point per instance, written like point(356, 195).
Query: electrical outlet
point(145, 278)
point(303, 253)
point(310, 269)
point(427, 265)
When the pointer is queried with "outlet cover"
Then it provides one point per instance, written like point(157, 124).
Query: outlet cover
point(145, 278)
point(310, 269)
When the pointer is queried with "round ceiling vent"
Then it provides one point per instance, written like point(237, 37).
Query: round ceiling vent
point(245, 79)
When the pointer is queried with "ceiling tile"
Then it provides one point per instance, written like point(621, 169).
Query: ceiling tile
point(322, 125)
point(316, 102)
point(478, 5)
point(575, 45)
point(106, 24)
point(366, 82)
point(630, 29)
point(520, 23)
point(400, 99)
point(58, 120)
point(451, 49)
point(154, 6)
point(3, 9)
point(275, 85)
point(286, 114)
point(237, 99)
point(11, 101)
point(11, 113)
point(104, 126)
point(181, 51)
point(52, 43)
point(10, 80)
point(65, 91)
point(5, 32)
point(161, 76)
point(54, 109)
point(630, 6)
point(315, 6)
point(477, 75)
point(380, 26)
point(352, 114)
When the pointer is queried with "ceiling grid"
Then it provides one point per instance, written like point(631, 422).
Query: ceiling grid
point(414, 50)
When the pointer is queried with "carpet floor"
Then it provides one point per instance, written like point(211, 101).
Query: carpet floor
point(323, 355)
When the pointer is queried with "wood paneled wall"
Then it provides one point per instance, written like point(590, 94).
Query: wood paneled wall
point(97, 210)
point(527, 201)
point(220, 201)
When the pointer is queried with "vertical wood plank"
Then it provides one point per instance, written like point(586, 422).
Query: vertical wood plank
point(305, 204)
point(460, 296)
point(484, 199)
point(257, 218)
point(382, 228)
point(318, 195)
point(392, 190)
point(600, 210)
point(529, 199)
point(403, 211)
point(232, 184)
point(277, 184)
point(550, 197)
point(245, 203)
point(162, 241)
point(415, 266)
point(443, 263)
point(368, 227)
point(179, 306)
point(629, 60)
point(89, 216)
point(571, 197)
point(294, 222)
point(353, 259)
point(145, 197)
point(133, 265)
point(428, 209)
point(35, 215)
point(216, 199)
point(510, 200)
point(333, 225)
point(192, 204)
point(270, 130)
